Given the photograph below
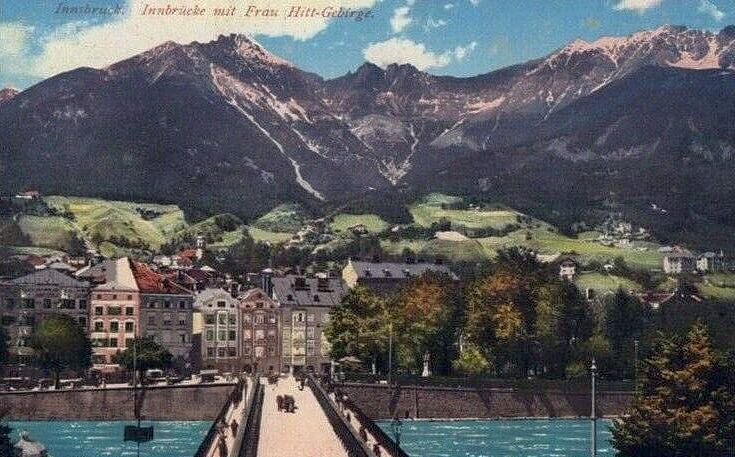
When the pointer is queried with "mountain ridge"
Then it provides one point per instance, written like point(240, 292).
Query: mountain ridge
point(228, 126)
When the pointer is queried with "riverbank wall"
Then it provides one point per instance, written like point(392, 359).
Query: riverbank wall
point(190, 402)
point(380, 401)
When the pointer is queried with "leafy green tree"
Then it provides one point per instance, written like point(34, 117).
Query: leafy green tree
point(60, 343)
point(472, 362)
point(685, 404)
point(144, 354)
point(358, 326)
point(4, 354)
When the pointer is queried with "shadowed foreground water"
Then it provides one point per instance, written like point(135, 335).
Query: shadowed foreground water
point(99, 439)
point(502, 438)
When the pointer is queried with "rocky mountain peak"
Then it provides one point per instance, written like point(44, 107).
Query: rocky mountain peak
point(8, 93)
point(249, 49)
point(666, 46)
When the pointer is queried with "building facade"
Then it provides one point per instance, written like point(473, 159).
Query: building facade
point(387, 277)
point(27, 300)
point(261, 332)
point(114, 313)
point(678, 262)
point(220, 330)
point(166, 310)
point(305, 303)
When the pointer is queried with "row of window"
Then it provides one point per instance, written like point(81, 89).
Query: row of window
point(258, 352)
point(99, 326)
point(114, 310)
point(223, 318)
point(113, 297)
point(167, 304)
point(29, 321)
point(47, 303)
point(167, 320)
point(110, 342)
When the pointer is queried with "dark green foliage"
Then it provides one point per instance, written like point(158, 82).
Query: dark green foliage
point(244, 256)
point(4, 355)
point(6, 446)
point(685, 405)
point(12, 235)
point(627, 323)
point(60, 343)
point(144, 354)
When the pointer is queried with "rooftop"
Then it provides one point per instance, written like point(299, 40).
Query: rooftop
point(394, 270)
point(297, 290)
point(48, 277)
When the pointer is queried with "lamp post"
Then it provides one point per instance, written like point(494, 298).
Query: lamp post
point(397, 425)
point(635, 366)
point(390, 352)
point(593, 414)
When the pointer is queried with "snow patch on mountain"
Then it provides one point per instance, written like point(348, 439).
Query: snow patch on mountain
point(224, 84)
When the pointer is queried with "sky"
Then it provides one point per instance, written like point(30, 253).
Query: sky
point(447, 37)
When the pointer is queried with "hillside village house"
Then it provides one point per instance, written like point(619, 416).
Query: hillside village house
point(567, 269)
point(220, 330)
point(305, 306)
point(710, 262)
point(27, 300)
point(261, 335)
point(679, 261)
point(386, 277)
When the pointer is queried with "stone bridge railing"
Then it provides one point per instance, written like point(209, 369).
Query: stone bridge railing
point(361, 436)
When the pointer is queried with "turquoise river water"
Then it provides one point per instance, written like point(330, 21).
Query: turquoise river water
point(502, 438)
point(100, 439)
point(456, 438)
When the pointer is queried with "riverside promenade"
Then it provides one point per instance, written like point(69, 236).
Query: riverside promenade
point(305, 433)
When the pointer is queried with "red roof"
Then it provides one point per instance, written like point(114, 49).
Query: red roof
point(153, 283)
point(188, 254)
point(198, 275)
point(35, 260)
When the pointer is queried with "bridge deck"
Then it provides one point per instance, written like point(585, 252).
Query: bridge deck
point(305, 433)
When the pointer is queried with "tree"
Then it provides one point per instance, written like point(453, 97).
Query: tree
point(144, 354)
point(471, 362)
point(685, 405)
point(60, 343)
point(500, 319)
point(428, 315)
point(6, 446)
point(627, 320)
point(3, 347)
point(358, 326)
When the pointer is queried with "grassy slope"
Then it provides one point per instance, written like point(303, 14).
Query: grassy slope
point(550, 242)
point(106, 219)
point(603, 283)
point(719, 286)
point(286, 218)
point(372, 222)
point(429, 210)
point(49, 232)
point(536, 235)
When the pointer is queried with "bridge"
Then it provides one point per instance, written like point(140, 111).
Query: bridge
point(325, 423)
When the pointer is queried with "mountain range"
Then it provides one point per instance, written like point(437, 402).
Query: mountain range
point(641, 124)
